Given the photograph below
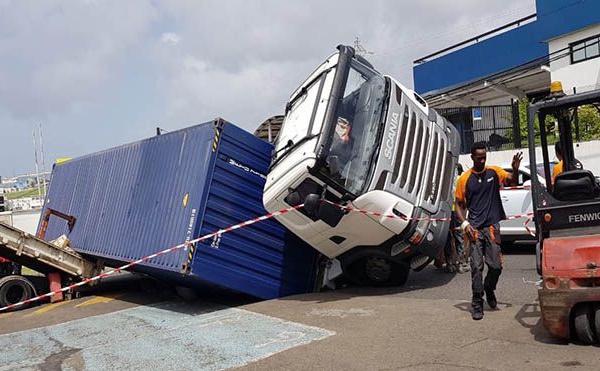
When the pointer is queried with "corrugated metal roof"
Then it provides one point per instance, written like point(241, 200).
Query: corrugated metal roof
point(270, 128)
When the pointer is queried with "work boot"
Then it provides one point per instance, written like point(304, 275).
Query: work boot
point(490, 297)
point(463, 267)
point(477, 306)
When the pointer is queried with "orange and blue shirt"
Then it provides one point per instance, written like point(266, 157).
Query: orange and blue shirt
point(558, 168)
point(480, 191)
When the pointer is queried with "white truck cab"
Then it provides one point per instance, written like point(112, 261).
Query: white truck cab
point(356, 137)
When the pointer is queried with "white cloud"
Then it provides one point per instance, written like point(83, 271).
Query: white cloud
point(55, 54)
point(101, 69)
point(169, 38)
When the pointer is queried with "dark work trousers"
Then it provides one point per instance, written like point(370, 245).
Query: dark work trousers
point(486, 248)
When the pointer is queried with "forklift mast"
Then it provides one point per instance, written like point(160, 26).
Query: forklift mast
point(567, 217)
point(572, 201)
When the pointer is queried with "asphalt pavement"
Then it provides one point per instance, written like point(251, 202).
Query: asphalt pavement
point(134, 323)
point(427, 325)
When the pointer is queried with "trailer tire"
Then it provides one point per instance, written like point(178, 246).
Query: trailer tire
point(15, 289)
point(583, 323)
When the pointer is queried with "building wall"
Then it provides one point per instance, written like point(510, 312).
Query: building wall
point(485, 58)
point(584, 75)
point(506, 50)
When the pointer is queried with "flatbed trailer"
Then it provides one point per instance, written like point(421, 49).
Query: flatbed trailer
point(60, 266)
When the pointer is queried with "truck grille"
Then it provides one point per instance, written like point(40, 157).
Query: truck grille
point(419, 174)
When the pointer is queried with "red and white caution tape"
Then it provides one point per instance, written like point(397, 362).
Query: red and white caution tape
point(519, 216)
point(166, 251)
point(532, 233)
point(377, 213)
point(403, 217)
point(229, 229)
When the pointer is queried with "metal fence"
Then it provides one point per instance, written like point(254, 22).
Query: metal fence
point(497, 126)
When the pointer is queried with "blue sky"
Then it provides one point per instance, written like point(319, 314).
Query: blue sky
point(96, 74)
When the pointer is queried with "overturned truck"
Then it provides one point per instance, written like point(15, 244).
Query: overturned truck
point(355, 137)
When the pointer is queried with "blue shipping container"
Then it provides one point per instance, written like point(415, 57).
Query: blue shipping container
point(134, 200)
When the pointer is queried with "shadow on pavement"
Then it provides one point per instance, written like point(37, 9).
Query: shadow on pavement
point(427, 278)
point(529, 316)
point(144, 290)
point(466, 307)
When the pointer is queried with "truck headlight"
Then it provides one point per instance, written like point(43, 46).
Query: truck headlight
point(420, 231)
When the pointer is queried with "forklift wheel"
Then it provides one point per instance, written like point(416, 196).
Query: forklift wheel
point(583, 323)
point(538, 258)
point(597, 321)
point(14, 289)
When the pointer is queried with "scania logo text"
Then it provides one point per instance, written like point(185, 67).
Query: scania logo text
point(390, 140)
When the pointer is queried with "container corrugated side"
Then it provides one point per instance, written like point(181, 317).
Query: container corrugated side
point(128, 200)
point(136, 199)
point(264, 259)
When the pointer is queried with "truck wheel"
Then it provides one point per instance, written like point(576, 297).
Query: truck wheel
point(14, 289)
point(379, 271)
point(583, 322)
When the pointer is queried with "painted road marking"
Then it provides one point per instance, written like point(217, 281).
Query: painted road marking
point(99, 300)
point(171, 336)
point(46, 308)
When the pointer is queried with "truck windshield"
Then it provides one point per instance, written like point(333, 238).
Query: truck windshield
point(358, 120)
point(299, 125)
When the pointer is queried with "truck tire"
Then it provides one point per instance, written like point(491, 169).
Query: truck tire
point(583, 323)
point(15, 289)
point(377, 271)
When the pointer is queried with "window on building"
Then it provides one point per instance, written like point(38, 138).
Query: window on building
point(585, 49)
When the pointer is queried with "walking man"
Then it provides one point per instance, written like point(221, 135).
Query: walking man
point(478, 192)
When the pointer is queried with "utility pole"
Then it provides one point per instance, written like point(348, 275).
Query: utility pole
point(43, 162)
point(37, 168)
point(360, 50)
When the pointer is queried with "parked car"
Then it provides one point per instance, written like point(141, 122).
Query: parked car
point(518, 202)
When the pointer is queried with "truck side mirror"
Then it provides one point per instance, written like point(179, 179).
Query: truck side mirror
point(324, 211)
point(311, 204)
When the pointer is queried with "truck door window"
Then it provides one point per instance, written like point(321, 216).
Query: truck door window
point(361, 107)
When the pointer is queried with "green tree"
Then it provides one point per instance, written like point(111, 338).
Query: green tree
point(549, 124)
point(589, 122)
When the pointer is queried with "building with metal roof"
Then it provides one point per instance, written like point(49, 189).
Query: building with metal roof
point(560, 41)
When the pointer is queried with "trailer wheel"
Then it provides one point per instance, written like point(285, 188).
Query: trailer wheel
point(584, 323)
point(14, 289)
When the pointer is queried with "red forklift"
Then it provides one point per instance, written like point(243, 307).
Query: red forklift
point(567, 217)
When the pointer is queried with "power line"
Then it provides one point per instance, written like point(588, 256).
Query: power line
point(465, 27)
